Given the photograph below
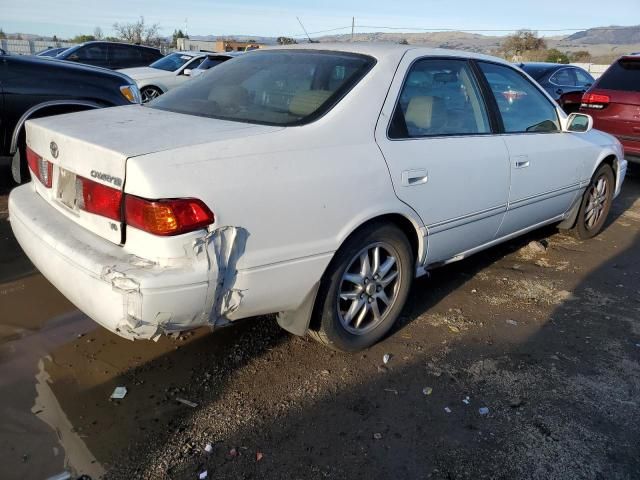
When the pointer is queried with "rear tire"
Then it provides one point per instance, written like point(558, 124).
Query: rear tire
point(364, 288)
point(596, 204)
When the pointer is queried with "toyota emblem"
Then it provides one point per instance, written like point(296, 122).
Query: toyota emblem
point(53, 146)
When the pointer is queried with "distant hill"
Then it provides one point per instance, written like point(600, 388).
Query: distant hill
point(604, 43)
point(611, 35)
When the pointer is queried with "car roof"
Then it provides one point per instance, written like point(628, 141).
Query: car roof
point(57, 63)
point(380, 50)
point(117, 43)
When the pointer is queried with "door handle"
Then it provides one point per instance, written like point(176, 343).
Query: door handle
point(521, 162)
point(414, 177)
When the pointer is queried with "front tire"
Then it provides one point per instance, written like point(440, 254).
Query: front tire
point(596, 204)
point(364, 288)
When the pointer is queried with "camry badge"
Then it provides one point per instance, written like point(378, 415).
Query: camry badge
point(53, 146)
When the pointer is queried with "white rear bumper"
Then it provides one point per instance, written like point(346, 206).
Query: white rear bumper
point(128, 295)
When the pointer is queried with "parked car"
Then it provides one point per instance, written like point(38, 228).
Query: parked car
point(614, 103)
point(565, 83)
point(68, 88)
point(112, 55)
point(311, 181)
point(51, 52)
point(213, 60)
point(170, 71)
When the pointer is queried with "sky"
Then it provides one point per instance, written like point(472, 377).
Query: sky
point(67, 18)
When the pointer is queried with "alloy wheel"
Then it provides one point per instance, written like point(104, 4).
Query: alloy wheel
point(597, 202)
point(369, 288)
point(149, 94)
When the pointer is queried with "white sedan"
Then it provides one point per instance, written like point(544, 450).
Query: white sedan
point(311, 181)
point(171, 71)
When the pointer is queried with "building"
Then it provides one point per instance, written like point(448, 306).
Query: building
point(186, 44)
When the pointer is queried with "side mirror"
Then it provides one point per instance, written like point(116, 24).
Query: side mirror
point(187, 72)
point(579, 123)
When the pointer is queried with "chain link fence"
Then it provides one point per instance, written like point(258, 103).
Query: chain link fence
point(30, 47)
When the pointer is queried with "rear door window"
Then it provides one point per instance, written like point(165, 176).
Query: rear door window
point(583, 78)
point(523, 107)
point(622, 75)
point(565, 77)
point(123, 56)
point(439, 97)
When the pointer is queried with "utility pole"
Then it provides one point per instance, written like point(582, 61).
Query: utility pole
point(353, 27)
point(305, 30)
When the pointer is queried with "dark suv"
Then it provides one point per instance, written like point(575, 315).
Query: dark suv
point(32, 87)
point(614, 104)
point(111, 55)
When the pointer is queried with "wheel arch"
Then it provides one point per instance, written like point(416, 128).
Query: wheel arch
point(157, 86)
point(67, 106)
point(299, 321)
point(607, 158)
point(407, 224)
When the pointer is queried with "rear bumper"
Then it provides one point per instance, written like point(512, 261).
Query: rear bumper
point(130, 296)
point(632, 158)
point(622, 172)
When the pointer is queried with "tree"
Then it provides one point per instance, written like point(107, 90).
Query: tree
point(3, 36)
point(403, 41)
point(82, 38)
point(287, 41)
point(556, 56)
point(97, 33)
point(176, 35)
point(54, 39)
point(138, 32)
point(581, 56)
point(520, 43)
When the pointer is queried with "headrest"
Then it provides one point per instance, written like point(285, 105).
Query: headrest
point(307, 102)
point(425, 112)
point(226, 95)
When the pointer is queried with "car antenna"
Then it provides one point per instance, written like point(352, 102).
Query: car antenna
point(305, 30)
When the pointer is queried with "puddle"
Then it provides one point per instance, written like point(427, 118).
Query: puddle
point(29, 447)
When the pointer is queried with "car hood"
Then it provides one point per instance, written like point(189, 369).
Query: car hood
point(142, 73)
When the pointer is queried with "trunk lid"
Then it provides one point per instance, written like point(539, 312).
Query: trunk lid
point(96, 144)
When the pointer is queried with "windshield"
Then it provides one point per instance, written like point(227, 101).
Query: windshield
point(172, 62)
point(286, 87)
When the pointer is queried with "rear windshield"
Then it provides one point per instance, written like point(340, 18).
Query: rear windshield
point(286, 87)
point(172, 62)
point(622, 75)
point(536, 71)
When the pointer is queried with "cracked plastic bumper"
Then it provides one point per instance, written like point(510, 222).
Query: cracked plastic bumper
point(130, 296)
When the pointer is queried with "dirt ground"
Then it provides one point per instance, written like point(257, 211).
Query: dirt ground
point(547, 340)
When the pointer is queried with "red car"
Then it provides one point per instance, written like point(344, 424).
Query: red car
point(614, 104)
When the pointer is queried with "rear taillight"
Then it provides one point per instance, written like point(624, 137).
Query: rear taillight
point(159, 217)
point(40, 167)
point(595, 100)
point(98, 199)
point(167, 217)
